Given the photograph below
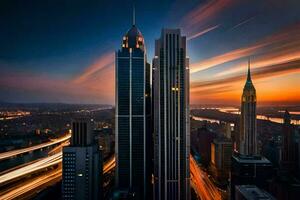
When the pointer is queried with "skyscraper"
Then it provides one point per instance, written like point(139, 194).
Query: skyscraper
point(171, 116)
point(288, 158)
point(133, 117)
point(247, 141)
point(82, 164)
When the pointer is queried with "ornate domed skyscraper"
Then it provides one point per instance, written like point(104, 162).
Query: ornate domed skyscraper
point(133, 118)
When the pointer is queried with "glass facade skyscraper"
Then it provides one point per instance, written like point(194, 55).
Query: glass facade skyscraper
point(171, 117)
point(133, 117)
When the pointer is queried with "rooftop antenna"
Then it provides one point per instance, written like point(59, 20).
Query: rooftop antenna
point(133, 15)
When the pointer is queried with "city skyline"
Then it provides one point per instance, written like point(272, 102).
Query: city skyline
point(50, 53)
point(216, 115)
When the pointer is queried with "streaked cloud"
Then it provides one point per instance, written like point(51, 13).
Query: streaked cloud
point(94, 85)
point(278, 43)
point(242, 23)
point(230, 88)
point(203, 14)
point(199, 21)
point(263, 61)
point(202, 32)
point(105, 61)
point(263, 72)
point(226, 57)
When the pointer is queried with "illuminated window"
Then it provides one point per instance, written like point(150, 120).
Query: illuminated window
point(175, 89)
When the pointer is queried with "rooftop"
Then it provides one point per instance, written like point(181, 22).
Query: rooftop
point(250, 159)
point(251, 192)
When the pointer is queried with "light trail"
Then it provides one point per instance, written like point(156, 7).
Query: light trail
point(13, 153)
point(59, 147)
point(200, 181)
point(41, 180)
point(47, 177)
point(33, 184)
point(31, 168)
point(109, 165)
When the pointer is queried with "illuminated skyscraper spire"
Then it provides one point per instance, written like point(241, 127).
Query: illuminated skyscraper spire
point(249, 73)
point(247, 141)
point(249, 85)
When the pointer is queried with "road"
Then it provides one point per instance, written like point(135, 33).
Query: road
point(32, 184)
point(44, 179)
point(13, 153)
point(31, 168)
point(201, 183)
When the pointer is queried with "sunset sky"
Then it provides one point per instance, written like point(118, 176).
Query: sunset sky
point(63, 50)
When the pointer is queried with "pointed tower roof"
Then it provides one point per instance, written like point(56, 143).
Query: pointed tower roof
point(133, 38)
point(249, 73)
point(249, 84)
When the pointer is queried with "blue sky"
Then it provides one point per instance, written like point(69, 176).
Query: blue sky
point(46, 45)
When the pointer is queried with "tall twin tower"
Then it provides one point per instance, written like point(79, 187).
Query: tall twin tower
point(152, 125)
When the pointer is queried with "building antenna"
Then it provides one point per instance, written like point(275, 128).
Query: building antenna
point(133, 15)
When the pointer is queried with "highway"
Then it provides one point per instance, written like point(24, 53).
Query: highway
point(201, 183)
point(31, 185)
point(31, 168)
point(51, 176)
point(42, 164)
point(13, 153)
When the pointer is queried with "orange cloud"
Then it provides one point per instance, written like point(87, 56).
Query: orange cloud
point(265, 60)
point(286, 41)
point(105, 61)
point(229, 89)
point(94, 85)
point(263, 72)
point(217, 60)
